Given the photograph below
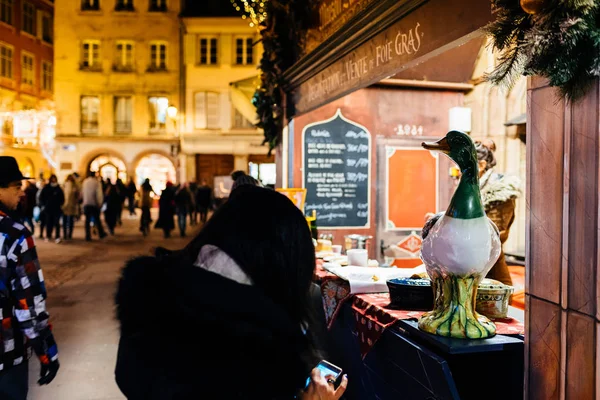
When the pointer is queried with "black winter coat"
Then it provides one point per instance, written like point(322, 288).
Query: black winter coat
point(52, 198)
point(187, 333)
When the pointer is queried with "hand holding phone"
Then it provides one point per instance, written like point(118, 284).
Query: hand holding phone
point(321, 383)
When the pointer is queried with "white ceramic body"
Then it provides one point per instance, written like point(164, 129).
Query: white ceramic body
point(461, 247)
point(358, 257)
point(337, 248)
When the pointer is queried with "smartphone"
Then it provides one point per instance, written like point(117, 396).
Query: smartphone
point(326, 369)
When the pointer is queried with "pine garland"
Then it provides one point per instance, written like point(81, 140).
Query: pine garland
point(282, 34)
point(560, 43)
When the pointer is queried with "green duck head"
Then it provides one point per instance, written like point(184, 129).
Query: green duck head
point(466, 202)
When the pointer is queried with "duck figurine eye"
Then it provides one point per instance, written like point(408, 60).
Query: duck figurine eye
point(459, 248)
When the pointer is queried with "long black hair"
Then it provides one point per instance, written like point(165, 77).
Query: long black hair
point(268, 237)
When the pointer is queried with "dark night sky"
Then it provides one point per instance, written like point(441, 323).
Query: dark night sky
point(209, 8)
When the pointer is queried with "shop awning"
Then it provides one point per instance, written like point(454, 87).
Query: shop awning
point(242, 92)
point(520, 120)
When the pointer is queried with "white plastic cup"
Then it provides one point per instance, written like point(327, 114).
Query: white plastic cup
point(358, 257)
point(337, 248)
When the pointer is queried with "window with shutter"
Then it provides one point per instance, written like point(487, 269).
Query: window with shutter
point(90, 106)
point(206, 110)
point(123, 114)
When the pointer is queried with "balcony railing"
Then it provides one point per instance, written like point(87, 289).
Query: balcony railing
point(123, 127)
point(122, 68)
point(158, 129)
point(89, 128)
point(86, 66)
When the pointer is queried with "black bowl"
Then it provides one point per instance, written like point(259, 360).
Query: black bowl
point(411, 294)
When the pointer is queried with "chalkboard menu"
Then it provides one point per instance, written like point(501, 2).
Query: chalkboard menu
point(337, 164)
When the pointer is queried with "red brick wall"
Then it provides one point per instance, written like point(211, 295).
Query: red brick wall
point(21, 41)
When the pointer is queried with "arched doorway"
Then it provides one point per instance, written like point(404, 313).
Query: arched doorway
point(156, 167)
point(109, 167)
point(27, 168)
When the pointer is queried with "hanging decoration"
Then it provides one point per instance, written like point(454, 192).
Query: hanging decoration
point(282, 25)
point(253, 10)
point(555, 39)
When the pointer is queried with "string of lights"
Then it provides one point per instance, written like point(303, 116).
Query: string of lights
point(253, 10)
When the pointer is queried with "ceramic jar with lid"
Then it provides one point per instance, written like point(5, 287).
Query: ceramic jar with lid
point(492, 298)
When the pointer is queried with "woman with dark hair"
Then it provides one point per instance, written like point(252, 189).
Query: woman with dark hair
point(228, 317)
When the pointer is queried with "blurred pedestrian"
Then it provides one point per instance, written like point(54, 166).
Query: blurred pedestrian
point(122, 192)
point(203, 200)
point(92, 196)
point(53, 198)
point(22, 296)
point(70, 208)
point(146, 192)
point(112, 200)
point(184, 205)
point(166, 210)
point(42, 216)
point(131, 191)
point(28, 204)
point(194, 210)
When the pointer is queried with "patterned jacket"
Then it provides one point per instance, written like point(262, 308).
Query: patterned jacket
point(23, 316)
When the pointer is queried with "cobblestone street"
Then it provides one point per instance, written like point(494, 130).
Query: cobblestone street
point(81, 279)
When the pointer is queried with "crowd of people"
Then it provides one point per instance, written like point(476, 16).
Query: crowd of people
point(48, 206)
point(256, 248)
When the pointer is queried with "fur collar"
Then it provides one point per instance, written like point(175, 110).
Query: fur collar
point(498, 188)
point(213, 259)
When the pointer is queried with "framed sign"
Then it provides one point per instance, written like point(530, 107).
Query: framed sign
point(336, 158)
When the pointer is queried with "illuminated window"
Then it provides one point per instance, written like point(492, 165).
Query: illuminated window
point(27, 69)
point(6, 11)
point(90, 55)
point(90, 107)
point(47, 76)
point(28, 18)
point(6, 61)
point(123, 114)
point(158, 56)
point(124, 55)
point(208, 49)
point(90, 5)
point(157, 108)
point(207, 110)
point(244, 52)
point(158, 5)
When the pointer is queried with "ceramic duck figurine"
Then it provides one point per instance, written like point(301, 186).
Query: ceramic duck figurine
point(459, 247)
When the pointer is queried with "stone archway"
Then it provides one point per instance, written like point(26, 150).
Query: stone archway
point(157, 166)
point(108, 165)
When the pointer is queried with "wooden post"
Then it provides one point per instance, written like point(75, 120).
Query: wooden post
point(562, 283)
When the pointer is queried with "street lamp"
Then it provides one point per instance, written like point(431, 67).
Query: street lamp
point(172, 112)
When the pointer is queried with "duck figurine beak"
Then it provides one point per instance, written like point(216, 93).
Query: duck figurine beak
point(441, 146)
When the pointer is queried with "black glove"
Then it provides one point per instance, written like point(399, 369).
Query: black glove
point(48, 372)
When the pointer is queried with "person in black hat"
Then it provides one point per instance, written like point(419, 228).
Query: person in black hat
point(22, 295)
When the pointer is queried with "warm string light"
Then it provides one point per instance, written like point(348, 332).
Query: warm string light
point(254, 10)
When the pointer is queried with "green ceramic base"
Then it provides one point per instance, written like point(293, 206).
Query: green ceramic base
point(454, 312)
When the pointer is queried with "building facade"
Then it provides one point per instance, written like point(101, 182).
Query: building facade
point(220, 58)
point(26, 84)
point(118, 87)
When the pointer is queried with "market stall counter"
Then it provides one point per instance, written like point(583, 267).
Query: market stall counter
point(388, 357)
